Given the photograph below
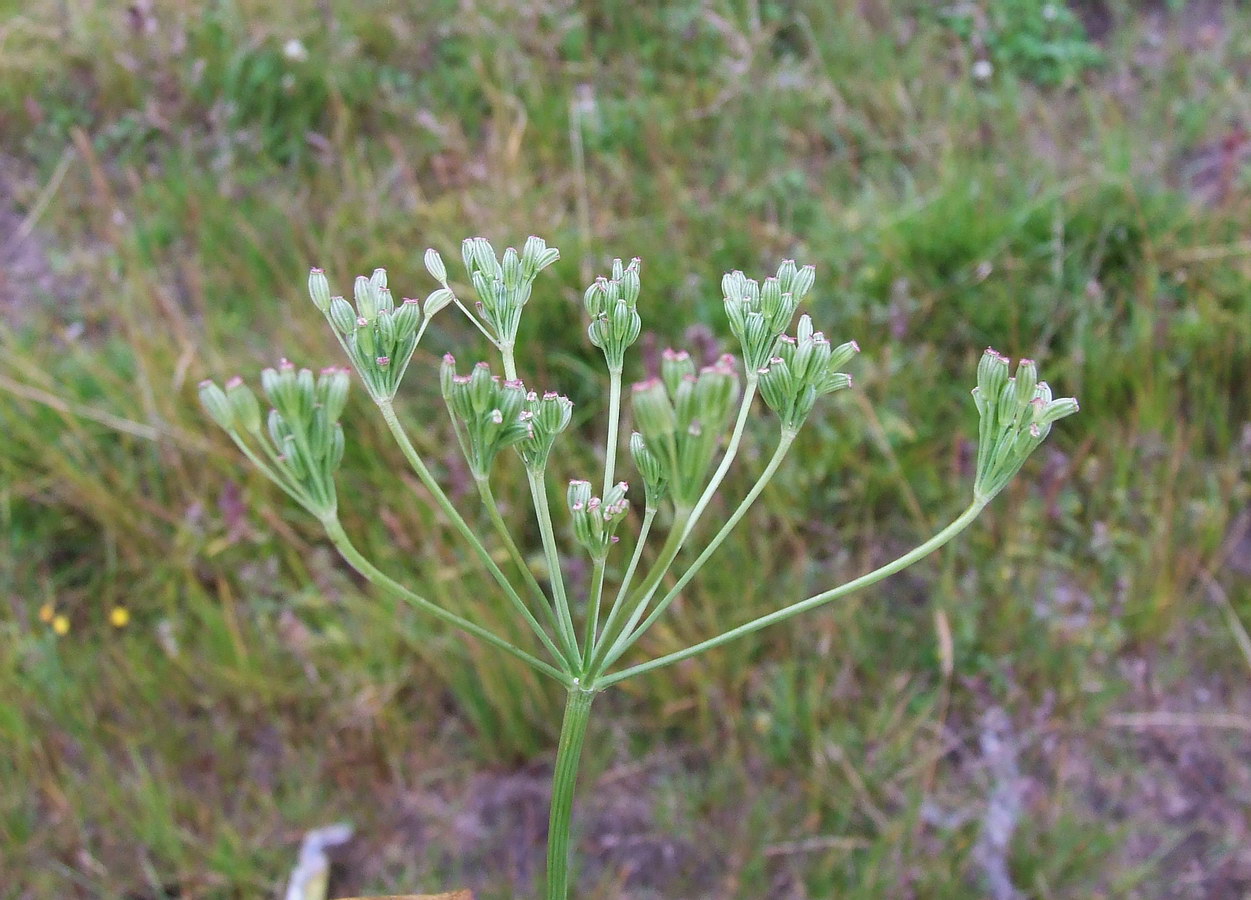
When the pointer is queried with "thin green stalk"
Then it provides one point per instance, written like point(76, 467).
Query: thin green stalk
point(449, 510)
point(684, 520)
point(294, 491)
point(592, 611)
point(623, 590)
point(731, 450)
point(334, 529)
point(472, 318)
point(614, 422)
point(962, 522)
point(538, 495)
point(784, 445)
point(668, 552)
point(564, 780)
point(519, 561)
point(510, 361)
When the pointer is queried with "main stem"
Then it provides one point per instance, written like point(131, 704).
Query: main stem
point(564, 779)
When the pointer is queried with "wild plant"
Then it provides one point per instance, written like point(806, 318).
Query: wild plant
point(689, 423)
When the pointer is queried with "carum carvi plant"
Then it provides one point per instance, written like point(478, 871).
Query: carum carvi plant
point(689, 424)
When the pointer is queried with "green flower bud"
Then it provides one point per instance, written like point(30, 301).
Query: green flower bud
point(1056, 409)
point(342, 316)
point(653, 471)
point(386, 303)
point(1026, 381)
point(653, 411)
point(842, 354)
point(215, 403)
point(490, 414)
point(379, 279)
point(612, 305)
point(511, 266)
point(447, 371)
point(246, 408)
point(434, 265)
point(319, 289)
point(366, 340)
point(675, 365)
point(384, 331)
point(366, 294)
point(337, 446)
point(407, 318)
point(804, 369)
point(437, 300)
point(716, 392)
point(332, 391)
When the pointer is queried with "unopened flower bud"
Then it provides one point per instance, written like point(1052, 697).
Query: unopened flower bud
point(215, 403)
point(366, 294)
point(437, 300)
point(319, 289)
point(342, 316)
point(435, 266)
point(246, 408)
point(653, 411)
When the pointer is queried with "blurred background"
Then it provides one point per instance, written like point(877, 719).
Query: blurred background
point(1056, 706)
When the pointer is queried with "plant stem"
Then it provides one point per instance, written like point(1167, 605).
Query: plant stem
point(334, 529)
point(564, 780)
point(538, 494)
point(731, 450)
point(958, 525)
point(683, 522)
point(668, 552)
point(592, 611)
point(449, 510)
point(784, 445)
point(614, 421)
point(510, 361)
point(519, 561)
point(624, 589)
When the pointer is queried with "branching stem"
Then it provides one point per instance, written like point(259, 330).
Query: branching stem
point(362, 565)
point(958, 525)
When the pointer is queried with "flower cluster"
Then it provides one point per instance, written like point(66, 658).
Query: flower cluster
point(547, 415)
point(682, 417)
point(612, 305)
point(759, 314)
point(488, 413)
point(379, 337)
point(301, 438)
point(1016, 415)
point(805, 368)
point(503, 284)
point(594, 519)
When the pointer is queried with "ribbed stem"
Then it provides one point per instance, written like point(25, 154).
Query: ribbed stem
point(564, 780)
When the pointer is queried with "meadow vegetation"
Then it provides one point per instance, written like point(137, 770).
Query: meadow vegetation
point(189, 678)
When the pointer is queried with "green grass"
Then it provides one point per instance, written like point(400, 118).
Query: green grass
point(181, 179)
